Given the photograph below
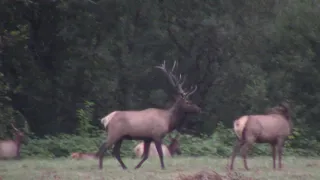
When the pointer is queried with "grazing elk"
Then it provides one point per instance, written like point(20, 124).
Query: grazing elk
point(273, 127)
point(79, 155)
point(149, 125)
point(11, 148)
point(168, 151)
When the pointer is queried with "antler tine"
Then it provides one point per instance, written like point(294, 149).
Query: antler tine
point(181, 80)
point(164, 69)
point(174, 65)
point(192, 91)
point(179, 84)
point(14, 127)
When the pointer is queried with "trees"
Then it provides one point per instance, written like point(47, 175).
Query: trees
point(58, 55)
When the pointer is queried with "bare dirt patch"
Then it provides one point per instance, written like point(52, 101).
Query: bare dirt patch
point(212, 175)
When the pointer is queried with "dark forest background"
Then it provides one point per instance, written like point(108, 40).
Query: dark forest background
point(64, 64)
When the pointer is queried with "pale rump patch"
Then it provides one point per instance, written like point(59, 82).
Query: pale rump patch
point(239, 124)
point(106, 120)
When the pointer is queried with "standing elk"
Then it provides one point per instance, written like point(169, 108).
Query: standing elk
point(168, 151)
point(11, 148)
point(273, 127)
point(149, 125)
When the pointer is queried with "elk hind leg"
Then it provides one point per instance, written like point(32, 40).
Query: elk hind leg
point(273, 149)
point(236, 148)
point(244, 151)
point(116, 153)
point(145, 153)
point(280, 144)
point(160, 153)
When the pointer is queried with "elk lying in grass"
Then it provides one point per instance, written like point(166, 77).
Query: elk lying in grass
point(11, 148)
point(149, 125)
point(85, 156)
point(168, 151)
point(273, 127)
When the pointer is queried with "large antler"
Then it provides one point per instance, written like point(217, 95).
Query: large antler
point(175, 81)
point(14, 127)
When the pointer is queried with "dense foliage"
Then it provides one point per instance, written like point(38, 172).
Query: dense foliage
point(66, 63)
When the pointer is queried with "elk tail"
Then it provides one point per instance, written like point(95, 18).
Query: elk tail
point(106, 120)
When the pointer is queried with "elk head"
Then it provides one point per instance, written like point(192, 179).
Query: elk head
point(19, 135)
point(174, 146)
point(182, 96)
point(282, 109)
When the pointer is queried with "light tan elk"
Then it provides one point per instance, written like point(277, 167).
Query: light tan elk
point(168, 151)
point(273, 127)
point(149, 125)
point(11, 148)
point(79, 155)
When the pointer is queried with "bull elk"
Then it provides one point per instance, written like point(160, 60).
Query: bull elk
point(85, 156)
point(148, 125)
point(273, 127)
point(11, 148)
point(168, 151)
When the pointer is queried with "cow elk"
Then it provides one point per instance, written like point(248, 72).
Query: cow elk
point(148, 125)
point(168, 151)
point(273, 127)
point(11, 148)
point(84, 156)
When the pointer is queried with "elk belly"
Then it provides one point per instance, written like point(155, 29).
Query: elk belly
point(239, 125)
point(8, 149)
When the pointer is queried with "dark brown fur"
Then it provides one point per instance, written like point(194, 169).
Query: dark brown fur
point(274, 127)
point(149, 125)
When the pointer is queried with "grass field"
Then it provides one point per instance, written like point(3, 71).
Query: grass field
point(67, 169)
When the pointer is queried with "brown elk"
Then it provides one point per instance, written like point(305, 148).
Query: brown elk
point(79, 155)
point(149, 125)
point(273, 127)
point(11, 148)
point(168, 151)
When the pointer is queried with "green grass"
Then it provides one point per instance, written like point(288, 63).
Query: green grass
point(65, 169)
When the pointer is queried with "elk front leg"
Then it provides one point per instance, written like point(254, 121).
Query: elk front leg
point(116, 153)
point(273, 149)
point(280, 145)
point(160, 153)
point(145, 153)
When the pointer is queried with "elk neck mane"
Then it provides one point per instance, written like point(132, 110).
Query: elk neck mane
point(176, 113)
